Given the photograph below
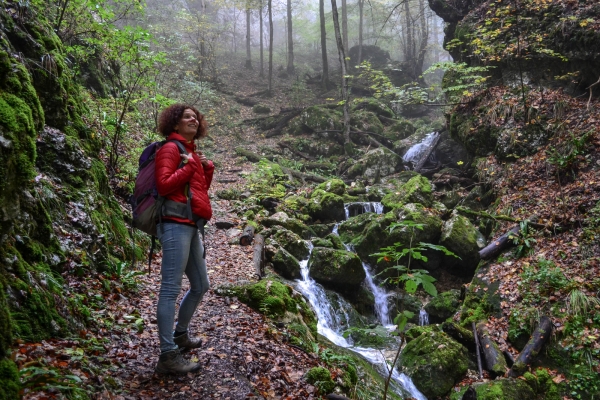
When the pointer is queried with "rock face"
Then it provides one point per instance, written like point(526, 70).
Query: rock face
point(434, 362)
point(336, 268)
point(463, 239)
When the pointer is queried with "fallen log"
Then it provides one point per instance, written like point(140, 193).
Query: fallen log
point(247, 236)
point(494, 359)
point(245, 101)
point(501, 217)
point(532, 348)
point(258, 255)
point(497, 246)
point(427, 153)
point(477, 351)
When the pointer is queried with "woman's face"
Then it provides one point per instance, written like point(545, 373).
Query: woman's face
point(188, 124)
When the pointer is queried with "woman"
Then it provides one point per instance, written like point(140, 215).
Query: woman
point(183, 179)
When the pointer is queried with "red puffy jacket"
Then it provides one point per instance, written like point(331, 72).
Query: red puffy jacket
point(171, 182)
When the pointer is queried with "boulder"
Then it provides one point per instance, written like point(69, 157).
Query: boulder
point(375, 164)
point(450, 152)
point(443, 306)
point(399, 130)
point(337, 268)
point(353, 226)
point(416, 190)
point(293, 224)
point(316, 118)
point(292, 243)
point(326, 206)
point(375, 106)
point(366, 121)
point(435, 362)
point(335, 186)
point(461, 237)
point(286, 264)
point(504, 389)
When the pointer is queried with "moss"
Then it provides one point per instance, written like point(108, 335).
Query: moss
point(336, 267)
point(366, 121)
point(416, 190)
point(504, 389)
point(261, 109)
point(435, 362)
point(335, 186)
point(10, 384)
point(400, 130)
point(5, 322)
point(321, 378)
point(326, 206)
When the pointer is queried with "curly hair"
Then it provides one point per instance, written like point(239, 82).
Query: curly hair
point(171, 116)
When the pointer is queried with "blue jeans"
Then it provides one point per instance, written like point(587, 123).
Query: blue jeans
point(182, 252)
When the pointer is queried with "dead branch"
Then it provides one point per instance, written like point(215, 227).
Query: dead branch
point(532, 348)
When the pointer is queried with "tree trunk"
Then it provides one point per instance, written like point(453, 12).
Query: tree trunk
point(247, 236)
point(270, 5)
point(345, 25)
point(325, 76)
point(361, 6)
point(260, 13)
point(290, 39)
point(409, 48)
point(460, 334)
point(258, 255)
point(248, 55)
point(532, 348)
point(420, 59)
point(342, 55)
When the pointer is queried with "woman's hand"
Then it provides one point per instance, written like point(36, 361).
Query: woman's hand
point(186, 158)
point(203, 159)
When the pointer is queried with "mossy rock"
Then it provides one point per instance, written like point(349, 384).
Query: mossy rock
point(10, 383)
point(366, 121)
point(337, 268)
point(462, 238)
point(322, 242)
point(320, 377)
point(434, 362)
point(400, 129)
point(316, 118)
point(353, 226)
point(286, 264)
point(325, 206)
point(504, 389)
point(375, 106)
point(377, 337)
point(261, 109)
point(479, 142)
point(443, 306)
point(336, 241)
point(482, 298)
point(375, 164)
point(293, 224)
point(414, 332)
point(541, 383)
point(406, 302)
point(417, 190)
point(292, 243)
point(335, 186)
point(322, 230)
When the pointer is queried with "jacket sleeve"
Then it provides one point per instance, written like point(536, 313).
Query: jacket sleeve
point(169, 179)
point(208, 173)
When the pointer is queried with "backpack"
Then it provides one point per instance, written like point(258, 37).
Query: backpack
point(146, 204)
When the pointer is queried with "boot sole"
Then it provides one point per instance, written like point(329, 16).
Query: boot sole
point(165, 371)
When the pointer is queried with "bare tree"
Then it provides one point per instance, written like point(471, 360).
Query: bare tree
point(345, 25)
point(260, 13)
point(342, 55)
point(290, 37)
point(270, 5)
point(361, 5)
point(325, 77)
point(248, 55)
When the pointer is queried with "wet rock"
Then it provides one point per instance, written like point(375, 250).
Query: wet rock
point(292, 243)
point(325, 206)
point(461, 237)
point(443, 306)
point(417, 190)
point(286, 264)
point(336, 268)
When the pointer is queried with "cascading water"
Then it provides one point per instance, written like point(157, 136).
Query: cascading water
point(423, 317)
point(354, 209)
point(415, 153)
point(330, 323)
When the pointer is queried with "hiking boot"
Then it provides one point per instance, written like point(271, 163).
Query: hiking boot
point(172, 362)
point(186, 343)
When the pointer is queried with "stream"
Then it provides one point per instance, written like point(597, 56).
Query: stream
point(331, 324)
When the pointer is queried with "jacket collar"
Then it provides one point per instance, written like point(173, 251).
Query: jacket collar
point(188, 145)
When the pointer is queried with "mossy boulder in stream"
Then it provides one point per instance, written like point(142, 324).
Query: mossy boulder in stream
point(325, 206)
point(434, 362)
point(335, 186)
point(504, 389)
point(416, 190)
point(337, 268)
point(292, 243)
point(286, 264)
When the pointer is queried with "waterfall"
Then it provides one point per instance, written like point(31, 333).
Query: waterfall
point(354, 209)
point(330, 325)
point(415, 153)
point(423, 317)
